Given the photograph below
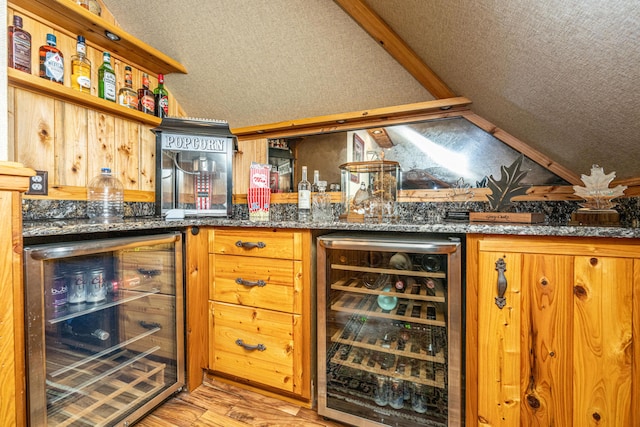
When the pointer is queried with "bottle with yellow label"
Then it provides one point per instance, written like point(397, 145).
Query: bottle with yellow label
point(81, 68)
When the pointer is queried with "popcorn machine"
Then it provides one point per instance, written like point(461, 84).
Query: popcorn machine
point(194, 167)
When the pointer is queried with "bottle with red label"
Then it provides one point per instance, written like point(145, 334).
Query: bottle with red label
point(146, 101)
point(19, 46)
point(161, 97)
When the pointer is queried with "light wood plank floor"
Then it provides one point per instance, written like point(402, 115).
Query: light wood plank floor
point(218, 404)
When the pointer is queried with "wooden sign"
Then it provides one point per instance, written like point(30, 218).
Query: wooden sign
point(508, 217)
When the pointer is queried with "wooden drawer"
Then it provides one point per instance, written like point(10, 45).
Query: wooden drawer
point(256, 243)
point(151, 315)
point(280, 333)
point(282, 282)
point(145, 270)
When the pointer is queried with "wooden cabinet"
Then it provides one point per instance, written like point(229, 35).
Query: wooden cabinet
point(260, 309)
point(563, 349)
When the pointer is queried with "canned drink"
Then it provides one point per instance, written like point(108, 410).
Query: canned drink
point(77, 292)
point(58, 294)
point(96, 290)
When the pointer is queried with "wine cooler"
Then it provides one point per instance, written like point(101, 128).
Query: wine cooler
point(390, 329)
point(104, 329)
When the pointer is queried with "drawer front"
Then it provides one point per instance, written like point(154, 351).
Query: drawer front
point(273, 284)
point(272, 366)
point(146, 270)
point(148, 321)
point(257, 243)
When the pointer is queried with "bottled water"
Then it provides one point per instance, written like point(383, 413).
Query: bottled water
point(105, 197)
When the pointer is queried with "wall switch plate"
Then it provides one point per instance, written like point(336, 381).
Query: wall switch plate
point(39, 184)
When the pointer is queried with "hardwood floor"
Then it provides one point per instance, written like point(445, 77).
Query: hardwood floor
point(218, 404)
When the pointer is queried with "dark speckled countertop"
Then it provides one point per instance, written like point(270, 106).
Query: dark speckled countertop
point(80, 226)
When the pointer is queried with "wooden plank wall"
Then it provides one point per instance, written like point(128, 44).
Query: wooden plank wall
point(72, 142)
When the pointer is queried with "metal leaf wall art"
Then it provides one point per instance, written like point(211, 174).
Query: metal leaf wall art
point(508, 186)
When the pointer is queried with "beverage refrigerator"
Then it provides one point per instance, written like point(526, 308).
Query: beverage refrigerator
point(390, 329)
point(104, 328)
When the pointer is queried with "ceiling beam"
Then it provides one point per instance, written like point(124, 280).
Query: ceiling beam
point(371, 22)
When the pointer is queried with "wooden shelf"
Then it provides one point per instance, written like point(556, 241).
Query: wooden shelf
point(405, 311)
point(68, 15)
point(417, 292)
point(376, 345)
point(396, 370)
point(41, 86)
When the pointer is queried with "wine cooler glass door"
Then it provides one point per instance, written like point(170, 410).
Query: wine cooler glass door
point(389, 322)
point(104, 327)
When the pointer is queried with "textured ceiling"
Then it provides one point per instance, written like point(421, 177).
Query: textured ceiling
point(562, 76)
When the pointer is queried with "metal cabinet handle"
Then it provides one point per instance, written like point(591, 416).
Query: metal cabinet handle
point(243, 282)
point(250, 245)
point(501, 267)
point(259, 347)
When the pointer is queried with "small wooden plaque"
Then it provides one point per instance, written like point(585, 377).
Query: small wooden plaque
point(603, 218)
point(508, 217)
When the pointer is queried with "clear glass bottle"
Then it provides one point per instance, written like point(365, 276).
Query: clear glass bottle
point(127, 97)
point(51, 61)
point(316, 178)
point(81, 68)
point(106, 79)
point(19, 55)
point(146, 102)
point(321, 205)
point(161, 98)
point(105, 197)
point(304, 197)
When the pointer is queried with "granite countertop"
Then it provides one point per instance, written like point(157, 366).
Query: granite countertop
point(80, 226)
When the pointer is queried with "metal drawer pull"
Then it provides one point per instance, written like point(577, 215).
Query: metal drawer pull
point(501, 267)
point(259, 347)
point(250, 245)
point(240, 281)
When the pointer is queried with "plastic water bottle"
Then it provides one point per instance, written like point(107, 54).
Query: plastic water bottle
point(105, 197)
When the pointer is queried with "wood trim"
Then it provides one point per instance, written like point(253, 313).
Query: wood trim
point(373, 24)
point(69, 15)
point(363, 118)
point(523, 148)
point(197, 293)
point(471, 331)
point(67, 192)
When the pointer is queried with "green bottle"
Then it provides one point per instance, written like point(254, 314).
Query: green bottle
point(162, 99)
point(106, 79)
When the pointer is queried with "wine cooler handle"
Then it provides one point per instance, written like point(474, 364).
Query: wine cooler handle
point(259, 347)
point(250, 245)
point(243, 282)
point(501, 267)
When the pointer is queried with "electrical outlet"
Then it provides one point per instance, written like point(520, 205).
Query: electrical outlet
point(39, 184)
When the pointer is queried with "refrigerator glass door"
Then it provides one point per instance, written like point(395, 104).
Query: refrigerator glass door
point(104, 329)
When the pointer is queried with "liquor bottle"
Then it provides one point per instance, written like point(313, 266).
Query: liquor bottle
point(161, 99)
point(304, 197)
point(81, 68)
point(19, 46)
point(128, 97)
point(146, 102)
point(106, 79)
point(51, 61)
point(316, 178)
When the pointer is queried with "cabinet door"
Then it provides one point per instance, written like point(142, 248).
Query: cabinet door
point(560, 351)
point(499, 341)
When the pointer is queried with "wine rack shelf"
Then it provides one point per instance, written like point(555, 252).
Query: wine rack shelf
point(417, 372)
point(416, 292)
point(406, 310)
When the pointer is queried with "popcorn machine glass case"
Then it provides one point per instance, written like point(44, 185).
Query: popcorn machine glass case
point(390, 330)
point(194, 167)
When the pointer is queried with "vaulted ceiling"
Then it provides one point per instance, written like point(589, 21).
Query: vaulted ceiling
point(562, 76)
